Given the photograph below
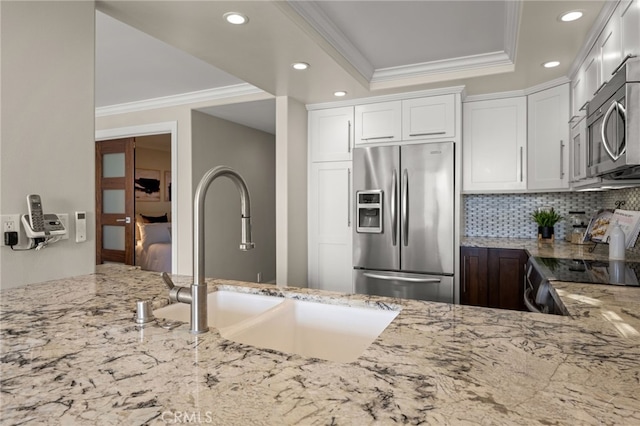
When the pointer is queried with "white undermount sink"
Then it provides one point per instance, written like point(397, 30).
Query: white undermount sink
point(224, 308)
point(318, 330)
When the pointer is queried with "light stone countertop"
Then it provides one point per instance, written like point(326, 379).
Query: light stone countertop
point(559, 249)
point(72, 355)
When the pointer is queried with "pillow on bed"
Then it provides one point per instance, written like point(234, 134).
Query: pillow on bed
point(153, 233)
point(155, 219)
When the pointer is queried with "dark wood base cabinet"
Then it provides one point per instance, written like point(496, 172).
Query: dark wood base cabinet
point(492, 278)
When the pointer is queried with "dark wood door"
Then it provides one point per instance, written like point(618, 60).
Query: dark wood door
point(115, 206)
point(506, 274)
point(473, 283)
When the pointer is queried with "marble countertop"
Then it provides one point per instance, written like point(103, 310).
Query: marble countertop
point(71, 354)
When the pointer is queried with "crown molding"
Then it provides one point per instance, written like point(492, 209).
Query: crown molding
point(513, 13)
point(516, 93)
point(181, 99)
point(494, 96)
point(319, 21)
point(424, 69)
point(547, 85)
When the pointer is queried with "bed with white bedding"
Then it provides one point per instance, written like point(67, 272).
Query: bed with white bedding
point(153, 247)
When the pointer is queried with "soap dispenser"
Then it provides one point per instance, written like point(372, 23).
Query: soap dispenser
point(616, 243)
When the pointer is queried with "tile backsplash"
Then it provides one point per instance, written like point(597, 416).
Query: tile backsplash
point(509, 215)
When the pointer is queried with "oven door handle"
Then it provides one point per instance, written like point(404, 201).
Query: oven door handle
point(605, 143)
point(400, 278)
point(527, 302)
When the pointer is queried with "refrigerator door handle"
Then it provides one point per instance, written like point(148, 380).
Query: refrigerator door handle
point(405, 207)
point(401, 278)
point(393, 208)
point(349, 197)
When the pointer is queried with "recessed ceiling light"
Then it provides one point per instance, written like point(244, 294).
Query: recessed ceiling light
point(300, 66)
point(551, 64)
point(235, 18)
point(571, 16)
point(340, 93)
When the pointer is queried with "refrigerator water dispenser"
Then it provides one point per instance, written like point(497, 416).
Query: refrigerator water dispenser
point(369, 210)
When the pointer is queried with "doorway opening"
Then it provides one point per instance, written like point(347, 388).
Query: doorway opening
point(137, 226)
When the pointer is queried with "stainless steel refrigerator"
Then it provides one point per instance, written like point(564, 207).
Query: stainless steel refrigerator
point(403, 241)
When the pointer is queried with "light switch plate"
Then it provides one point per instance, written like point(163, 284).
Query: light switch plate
point(81, 226)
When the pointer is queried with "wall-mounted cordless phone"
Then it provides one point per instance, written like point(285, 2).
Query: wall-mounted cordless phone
point(39, 225)
point(36, 215)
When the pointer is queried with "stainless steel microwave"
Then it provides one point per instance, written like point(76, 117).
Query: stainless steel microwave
point(613, 125)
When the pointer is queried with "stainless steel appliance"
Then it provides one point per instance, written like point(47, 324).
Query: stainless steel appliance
point(403, 240)
point(541, 272)
point(538, 296)
point(613, 123)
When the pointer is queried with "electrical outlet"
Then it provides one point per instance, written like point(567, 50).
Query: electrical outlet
point(64, 218)
point(10, 223)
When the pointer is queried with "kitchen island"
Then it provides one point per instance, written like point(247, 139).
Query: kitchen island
point(71, 354)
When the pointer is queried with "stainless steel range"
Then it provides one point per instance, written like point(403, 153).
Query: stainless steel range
point(614, 272)
point(540, 271)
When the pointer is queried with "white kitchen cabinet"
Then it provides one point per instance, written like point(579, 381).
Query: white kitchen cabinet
point(592, 72)
point(494, 145)
point(579, 150)
point(578, 95)
point(609, 44)
point(378, 123)
point(331, 134)
point(429, 118)
point(629, 13)
point(330, 225)
point(548, 139)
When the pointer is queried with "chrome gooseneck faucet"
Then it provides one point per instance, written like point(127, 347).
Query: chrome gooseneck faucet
point(197, 294)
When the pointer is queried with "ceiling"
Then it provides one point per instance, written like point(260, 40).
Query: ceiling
point(151, 49)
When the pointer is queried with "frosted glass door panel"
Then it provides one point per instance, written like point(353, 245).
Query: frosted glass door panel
point(113, 237)
point(113, 165)
point(113, 201)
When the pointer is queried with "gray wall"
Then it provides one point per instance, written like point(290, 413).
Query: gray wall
point(47, 135)
point(252, 154)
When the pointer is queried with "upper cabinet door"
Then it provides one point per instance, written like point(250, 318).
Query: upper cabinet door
point(429, 118)
point(579, 95)
point(379, 123)
point(548, 141)
point(592, 72)
point(331, 134)
point(630, 27)
point(578, 150)
point(610, 54)
point(494, 145)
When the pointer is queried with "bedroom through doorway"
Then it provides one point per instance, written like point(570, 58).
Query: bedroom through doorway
point(152, 202)
point(134, 201)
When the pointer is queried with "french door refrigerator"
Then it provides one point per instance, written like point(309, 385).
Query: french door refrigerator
point(403, 241)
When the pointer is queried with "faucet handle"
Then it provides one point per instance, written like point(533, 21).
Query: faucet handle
point(167, 280)
point(176, 294)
